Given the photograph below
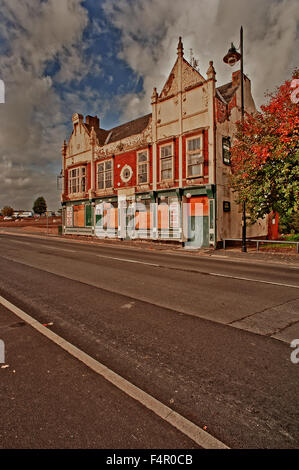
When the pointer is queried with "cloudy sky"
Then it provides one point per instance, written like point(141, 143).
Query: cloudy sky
point(104, 57)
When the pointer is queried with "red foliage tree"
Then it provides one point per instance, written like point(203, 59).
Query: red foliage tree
point(265, 155)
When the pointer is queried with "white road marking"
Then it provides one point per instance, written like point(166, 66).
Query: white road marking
point(131, 261)
point(20, 242)
point(181, 253)
point(60, 249)
point(194, 432)
point(201, 272)
point(239, 278)
point(42, 246)
point(254, 280)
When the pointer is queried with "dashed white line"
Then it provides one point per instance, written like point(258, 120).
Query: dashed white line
point(254, 280)
point(43, 246)
point(239, 278)
point(60, 249)
point(131, 261)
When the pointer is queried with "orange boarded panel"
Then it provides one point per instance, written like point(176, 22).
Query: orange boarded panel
point(163, 216)
point(79, 216)
point(199, 206)
point(141, 220)
point(110, 216)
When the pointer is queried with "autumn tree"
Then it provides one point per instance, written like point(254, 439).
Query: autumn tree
point(265, 156)
point(7, 211)
point(40, 206)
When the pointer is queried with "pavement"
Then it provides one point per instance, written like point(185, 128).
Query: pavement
point(207, 336)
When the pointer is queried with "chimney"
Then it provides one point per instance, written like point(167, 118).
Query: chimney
point(93, 121)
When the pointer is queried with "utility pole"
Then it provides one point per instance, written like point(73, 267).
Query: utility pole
point(231, 58)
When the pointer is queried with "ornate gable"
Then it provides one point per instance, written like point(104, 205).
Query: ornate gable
point(171, 86)
point(191, 77)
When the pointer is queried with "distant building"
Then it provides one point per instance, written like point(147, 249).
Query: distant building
point(169, 168)
point(22, 214)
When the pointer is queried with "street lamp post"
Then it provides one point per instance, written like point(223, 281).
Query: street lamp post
point(231, 58)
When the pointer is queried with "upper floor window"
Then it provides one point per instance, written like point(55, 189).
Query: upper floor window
point(143, 167)
point(166, 160)
point(195, 157)
point(226, 145)
point(105, 175)
point(77, 180)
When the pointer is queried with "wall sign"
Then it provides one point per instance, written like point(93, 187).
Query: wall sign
point(226, 206)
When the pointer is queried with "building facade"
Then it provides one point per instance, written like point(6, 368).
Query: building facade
point(163, 176)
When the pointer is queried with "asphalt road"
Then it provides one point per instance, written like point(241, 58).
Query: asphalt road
point(199, 334)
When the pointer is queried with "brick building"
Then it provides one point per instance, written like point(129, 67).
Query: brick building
point(164, 175)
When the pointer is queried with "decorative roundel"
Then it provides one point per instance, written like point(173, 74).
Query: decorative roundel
point(126, 173)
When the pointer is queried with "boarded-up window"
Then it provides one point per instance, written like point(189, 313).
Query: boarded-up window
point(199, 206)
point(163, 216)
point(143, 215)
point(79, 215)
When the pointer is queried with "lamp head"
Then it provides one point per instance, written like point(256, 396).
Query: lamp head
point(232, 57)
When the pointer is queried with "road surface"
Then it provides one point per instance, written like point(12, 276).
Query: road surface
point(207, 337)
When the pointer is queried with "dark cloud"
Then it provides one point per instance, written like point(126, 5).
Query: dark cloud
point(33, 34)
point(32, 120)
point(150, 29)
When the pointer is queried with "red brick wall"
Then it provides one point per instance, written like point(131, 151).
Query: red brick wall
point(128, 158)
point(232, 104)
point(221, 111)
point(88, 177)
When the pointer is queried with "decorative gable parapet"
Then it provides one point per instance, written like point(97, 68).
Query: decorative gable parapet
point(128, 143)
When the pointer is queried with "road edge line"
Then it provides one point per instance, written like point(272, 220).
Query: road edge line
point(191, 430)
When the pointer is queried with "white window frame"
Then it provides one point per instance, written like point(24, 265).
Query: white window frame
point(104, 162)
point(147, 163)
point(188, 152)
point(80, 175)
point(172, 161)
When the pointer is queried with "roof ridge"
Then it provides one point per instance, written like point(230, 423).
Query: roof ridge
point(128, 122)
